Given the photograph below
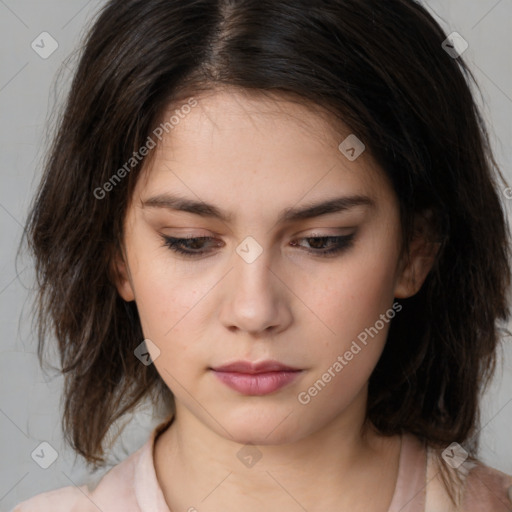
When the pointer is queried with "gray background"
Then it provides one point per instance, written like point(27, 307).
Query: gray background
point(29, 401)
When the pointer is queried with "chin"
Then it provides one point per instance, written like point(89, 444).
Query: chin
point(256, 429)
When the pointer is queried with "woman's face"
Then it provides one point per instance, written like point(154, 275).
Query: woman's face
point(265, 288)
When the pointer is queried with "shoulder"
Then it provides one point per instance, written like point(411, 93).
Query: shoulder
point(66, 499)
point(115, 491)
point(479, 487)
point(487, 488)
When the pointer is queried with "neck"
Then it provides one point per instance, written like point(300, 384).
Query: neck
point(343, 455)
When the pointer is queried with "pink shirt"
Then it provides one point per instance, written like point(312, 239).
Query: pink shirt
point(132, 486)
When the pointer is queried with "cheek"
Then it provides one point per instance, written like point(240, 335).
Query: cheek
point(349, 302)
point(156, 300)
point(165, 312)
point(164, 294)
point(351, 307)
point(170, 303)
point(353, 294)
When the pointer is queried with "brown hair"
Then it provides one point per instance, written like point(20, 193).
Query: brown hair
point(379, 67)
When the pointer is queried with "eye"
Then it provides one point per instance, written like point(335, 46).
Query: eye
point(337, 243)
point(194, 246)
point(191, 245)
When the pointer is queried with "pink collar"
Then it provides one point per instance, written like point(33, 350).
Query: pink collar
point(409, 494)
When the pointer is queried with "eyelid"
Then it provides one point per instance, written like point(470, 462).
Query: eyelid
point(331, 231)
point(309, 233)
point(343, 244)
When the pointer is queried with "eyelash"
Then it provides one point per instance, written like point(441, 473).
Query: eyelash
point(342, 243)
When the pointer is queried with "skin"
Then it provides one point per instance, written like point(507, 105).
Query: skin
point(253, 157)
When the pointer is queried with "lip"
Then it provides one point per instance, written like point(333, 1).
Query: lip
point(256, 379)
point(257, 384)
point(255, 368)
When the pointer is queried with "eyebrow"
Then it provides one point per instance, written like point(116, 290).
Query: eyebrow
point(307, 211)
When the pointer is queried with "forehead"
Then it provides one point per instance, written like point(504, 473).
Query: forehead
point(233, 112)
point(254, 144)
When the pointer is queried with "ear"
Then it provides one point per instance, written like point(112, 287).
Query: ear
point(423, 250)
point(121, 276)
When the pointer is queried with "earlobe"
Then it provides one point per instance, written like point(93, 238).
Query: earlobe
point(414, 274)
point(122, 279)
point(422, 256)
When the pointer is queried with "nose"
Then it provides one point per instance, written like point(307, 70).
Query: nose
point(255, 297)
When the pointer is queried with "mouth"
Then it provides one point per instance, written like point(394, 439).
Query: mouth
point(256, 379)
point(254, 368)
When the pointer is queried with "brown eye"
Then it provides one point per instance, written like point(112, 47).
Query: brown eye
point(187, 246)
point(338, 244)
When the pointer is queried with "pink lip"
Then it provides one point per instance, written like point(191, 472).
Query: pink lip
point(256, 383)
point(248, 367)
point(256, 378)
